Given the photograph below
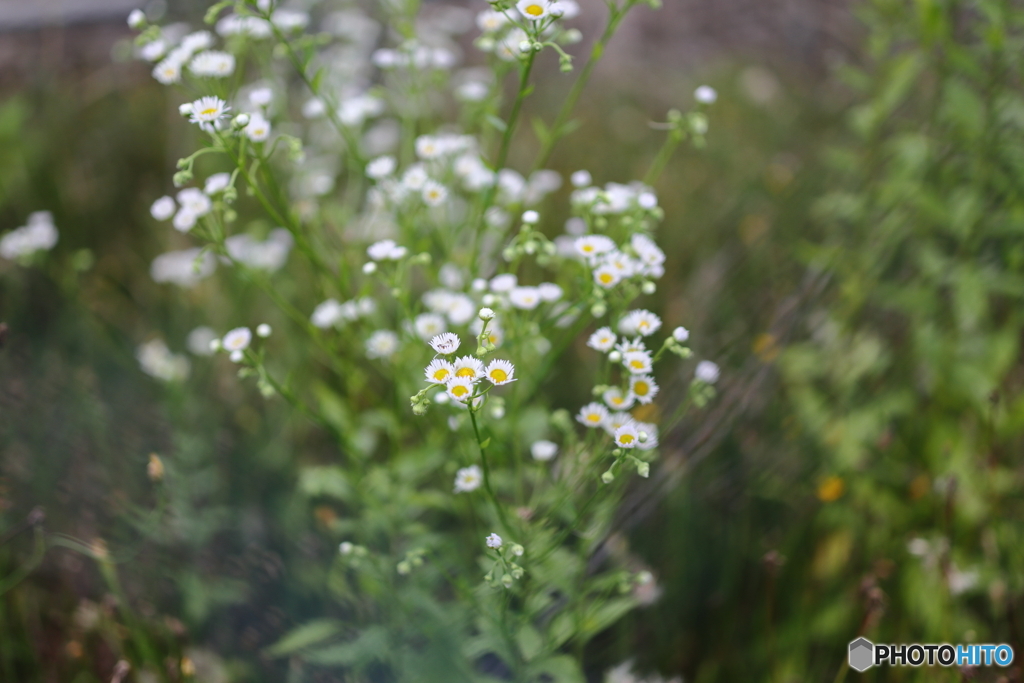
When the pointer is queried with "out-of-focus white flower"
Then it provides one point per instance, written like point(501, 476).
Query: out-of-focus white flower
point(581, 179)
point(566, 9)
point(531, 217)
point(38, 234)
point(526, 298)
point(289, 20)
point(196, 41)
point(199, 341)
point(261, 97)
point(607, 275)
point(500, 372)
point(617, 400)
point(468, 479)
point(602, 340)
point(153, 50)
point(136, 19)
point(381, 167)
point(168, 71)
point(961, 581)
point(434, 193)
point(163, 208)
point(641, 322)
point(270, 254)
point(212, 64)
point(446, 344)
point(258, 128)
point(643, 387)
point(494, 541)
point(491, 21)
point(314, 108)
point(386, 250)
point(637, 362)
point(592, 415)
point(680, 334)
point(382, 344)
point(429, 325)
point(705, 94)
point(156, 360)
point(706, 371)
point(217, 183)
point(590, 246)
point(183, 268)
point(651, 441)
point(627, 436)
point(503, 283)
point(543, 450)
point(549, 292)
point(356, 110)
point(237, 339)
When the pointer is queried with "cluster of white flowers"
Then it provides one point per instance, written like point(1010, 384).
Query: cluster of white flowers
point(39, 234)
point(332, 313)
point(461, 376)
point(185, 268)
point(611, 264)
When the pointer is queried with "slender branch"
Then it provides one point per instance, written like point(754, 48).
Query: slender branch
point(487, 473)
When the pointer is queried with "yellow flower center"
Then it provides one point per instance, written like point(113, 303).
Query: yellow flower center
point(641, 388)
point(460, 390)
point(588, 248)
point(636, 364)
point(441, 374)
point(209, 111)
point(465, 372)
point(534, 10)
point(606, 278)
point(499, 375)
point(626, 438)
point(594, 417)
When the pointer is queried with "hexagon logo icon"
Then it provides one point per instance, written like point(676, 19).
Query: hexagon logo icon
point(862, 653)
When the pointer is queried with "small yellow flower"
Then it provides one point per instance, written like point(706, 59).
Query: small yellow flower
point(831, 489)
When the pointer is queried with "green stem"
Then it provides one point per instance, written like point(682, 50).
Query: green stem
point(487, 473)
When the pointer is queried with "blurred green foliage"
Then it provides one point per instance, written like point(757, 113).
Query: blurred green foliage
point(870, 485)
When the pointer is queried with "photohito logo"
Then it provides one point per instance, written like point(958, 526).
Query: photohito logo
point(864, 654)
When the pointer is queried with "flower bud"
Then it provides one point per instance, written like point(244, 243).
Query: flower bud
point(345, 548)
point(615, 357)
point(648, 287)
point(531, 217)
point(263, 330)
point(185, 109)
point(608, 477)
point(597, 310)
point(236, 356)
point(137, 19)
point(215, 345)
point(680, 334)
point(241, 121)
point(369, 268)
point(518, 550)
point(643, 469)
point(486, 314)
point(507, 580)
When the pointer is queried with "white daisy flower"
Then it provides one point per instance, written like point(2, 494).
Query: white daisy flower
point(382, 344)
point(168, 71)
point(637, 362)
point(590, 246)
point(237, 339)
point(429, 325)
point(647, 200)
point(196, 41)
point(566, 9)
point(434, 193)
point(415, 178)
point(607, 276)
point(212, 64)
point(534, 9)
point(543, 450)
point(446, 343)
point(602, 340)
point(647, 250)
point(526, 298)
point(163, 208)
point(428, 147)
point(617, 400)
point(258, 128)
point(184, 220)
point(616, 420)
point(491, 21)
point(622, 263)
point(627, 436)
point(381, 167)
point(592, 415)
point(469, 367)
point(549, 291)
point(208, 110)
point(460, 389)
point(468, 479)
point(439, 371)
point(643, 387)
point(500, 372)
point(640, 322)
point(153, 50)
point(631, 345)
point(261, 97)
point(706, 372)
point(651, 430)
point(494, 541)
point(503, 283)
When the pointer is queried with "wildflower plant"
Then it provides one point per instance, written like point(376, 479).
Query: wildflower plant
point(435, 301)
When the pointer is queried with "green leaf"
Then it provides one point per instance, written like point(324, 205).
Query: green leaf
point(368, 646)
point(305, 636)
point(485, 443)
point(562, 668)
point(530, 642)
point(497, 123)
point(211, 14)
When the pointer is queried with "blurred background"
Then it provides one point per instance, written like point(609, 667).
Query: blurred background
point(847, 247)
